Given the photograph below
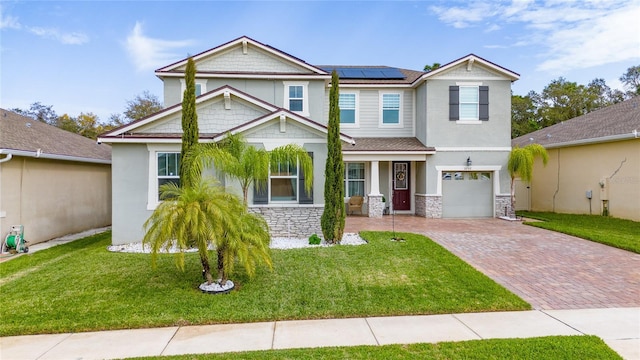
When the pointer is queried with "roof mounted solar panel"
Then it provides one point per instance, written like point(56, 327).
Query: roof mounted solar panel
point(369, 73)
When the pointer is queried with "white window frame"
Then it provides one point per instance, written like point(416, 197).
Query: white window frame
point(152, 186)
point(356, 123)
point(296, 187)
point(381, 110)
point(347, 180)
point(201, 82)
point(469, 121)
point(305, 96)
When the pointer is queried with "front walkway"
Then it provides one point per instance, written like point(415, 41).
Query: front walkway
point(547, 269)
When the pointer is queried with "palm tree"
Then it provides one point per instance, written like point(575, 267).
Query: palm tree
point(248, 164)
point(520, 164)
point(197, 216)
point(247, 244)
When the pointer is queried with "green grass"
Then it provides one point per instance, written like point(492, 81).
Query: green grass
point(620, 233)
point(542, 348)
point(80, 286)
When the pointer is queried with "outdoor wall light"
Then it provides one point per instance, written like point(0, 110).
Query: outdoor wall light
point(469, 161)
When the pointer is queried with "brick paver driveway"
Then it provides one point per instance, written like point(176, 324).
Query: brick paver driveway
point(548, 269)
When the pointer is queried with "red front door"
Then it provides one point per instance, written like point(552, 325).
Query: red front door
point(401, 186)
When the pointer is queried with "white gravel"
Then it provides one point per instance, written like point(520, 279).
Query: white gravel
point(276, 243)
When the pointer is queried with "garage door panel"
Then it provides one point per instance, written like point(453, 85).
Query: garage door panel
point(467, 194)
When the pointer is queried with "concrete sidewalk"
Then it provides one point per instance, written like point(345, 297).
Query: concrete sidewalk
point(618, 327)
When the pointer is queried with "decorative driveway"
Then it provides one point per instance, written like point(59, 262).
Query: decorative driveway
point(549, 270)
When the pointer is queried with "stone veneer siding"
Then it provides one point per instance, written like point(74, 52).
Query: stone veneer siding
point(503, 202)
point(375, 206)
point(297, 221)
point(428, 206)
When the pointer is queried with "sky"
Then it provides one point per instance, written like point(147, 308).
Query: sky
point(94, 56)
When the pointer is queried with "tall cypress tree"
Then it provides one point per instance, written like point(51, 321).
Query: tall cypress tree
point(189, 126)
point(333, 217)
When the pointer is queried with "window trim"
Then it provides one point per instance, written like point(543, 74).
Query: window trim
point(481, 104)
point(356, 123)
point(296, 187)
point(305, 96)
point(382, 124)
point(152, 183)
point(201, 82)
point(346, 178)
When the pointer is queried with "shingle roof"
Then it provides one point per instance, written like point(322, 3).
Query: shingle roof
point(615, 120)
point(403, 144)
point(22, 133)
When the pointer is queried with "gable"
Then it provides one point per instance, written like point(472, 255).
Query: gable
point(252, 60)
point(214, 116)
point(290, 130)
point(463, 72)
point(244, 56)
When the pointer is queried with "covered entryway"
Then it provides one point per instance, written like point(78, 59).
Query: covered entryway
point(467, 194)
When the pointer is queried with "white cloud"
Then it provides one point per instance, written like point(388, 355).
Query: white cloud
point(9, 22)
point(569, 34)
point(67, 38)
point(148, 53)
point(73, 38)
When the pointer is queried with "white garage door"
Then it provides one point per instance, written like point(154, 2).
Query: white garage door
point(467, 194)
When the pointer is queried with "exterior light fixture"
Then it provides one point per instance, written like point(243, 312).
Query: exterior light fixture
point(469, 161)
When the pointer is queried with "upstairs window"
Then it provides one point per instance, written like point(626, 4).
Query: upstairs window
point(296, 97)
point(201, 87)
point(390, 109)
point(469, 103)
point(168, 169)
point(347, 104)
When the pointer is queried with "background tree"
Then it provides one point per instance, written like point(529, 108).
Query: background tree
point(143, 105)
point(523, 115)
point(40, 112)
point(190, 132)
point(520, 164)
point(631, 80)
point(333, 216)
point(432, 67)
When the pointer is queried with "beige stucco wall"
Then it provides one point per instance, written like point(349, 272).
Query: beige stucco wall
point(53, 198)
point(571, 171)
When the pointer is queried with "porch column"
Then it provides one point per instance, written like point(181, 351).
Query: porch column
point(375, 206)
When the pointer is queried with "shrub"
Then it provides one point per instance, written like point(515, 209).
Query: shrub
point(314, 239)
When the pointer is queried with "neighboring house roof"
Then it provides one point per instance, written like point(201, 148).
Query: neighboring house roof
point(387, 144)
point(24, 136)
point(616, 122)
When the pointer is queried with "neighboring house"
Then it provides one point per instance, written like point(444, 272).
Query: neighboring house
point(594, 164)
point(51, 181)
point(432, 144)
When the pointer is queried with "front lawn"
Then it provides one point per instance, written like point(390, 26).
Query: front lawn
point(551, 348)
point(81, 286)
point(620, 233)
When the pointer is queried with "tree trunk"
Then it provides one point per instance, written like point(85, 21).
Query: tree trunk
point(206, 269)
point(221, 273)
point(512, 210)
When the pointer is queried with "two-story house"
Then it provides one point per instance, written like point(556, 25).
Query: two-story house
point(434, 144)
